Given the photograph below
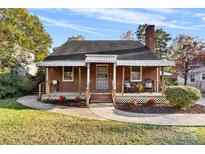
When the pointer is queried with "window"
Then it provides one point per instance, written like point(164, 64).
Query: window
point(192, 78)
point(68, 74)
point(203, 76)
point(136, 73)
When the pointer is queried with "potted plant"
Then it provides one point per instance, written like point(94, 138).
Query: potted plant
point(61, 99)
point(151, 101)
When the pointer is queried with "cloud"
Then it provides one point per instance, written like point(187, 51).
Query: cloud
point(64, 24)
point(200, 26)
point(129, 17)
point(162, 10)
point(203, 18)
point(198, 15)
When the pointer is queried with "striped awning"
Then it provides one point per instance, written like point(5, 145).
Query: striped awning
point(106, 59)
point(61, 63)
point(100, 58)
point(165, 63)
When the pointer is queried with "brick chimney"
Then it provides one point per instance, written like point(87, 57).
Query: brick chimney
point(149, 37)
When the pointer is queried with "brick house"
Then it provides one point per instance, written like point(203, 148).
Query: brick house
point(97, 70)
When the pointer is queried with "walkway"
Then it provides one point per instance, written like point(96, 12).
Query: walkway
point(31, 102)
point(107, 111)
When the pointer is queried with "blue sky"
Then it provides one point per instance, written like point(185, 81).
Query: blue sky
point(109, 24)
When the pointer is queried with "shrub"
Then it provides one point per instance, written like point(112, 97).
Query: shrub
point(182, 96)
point(12, 85)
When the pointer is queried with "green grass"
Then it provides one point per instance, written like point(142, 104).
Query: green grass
point(20, 125)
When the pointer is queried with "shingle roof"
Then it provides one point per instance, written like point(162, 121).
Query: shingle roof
point(125, 49)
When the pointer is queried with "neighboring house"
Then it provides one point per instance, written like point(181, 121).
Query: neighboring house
point(95, 69)
point(196, 78)
point(25, 69)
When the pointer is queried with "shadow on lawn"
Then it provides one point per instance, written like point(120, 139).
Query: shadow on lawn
point(11, 104)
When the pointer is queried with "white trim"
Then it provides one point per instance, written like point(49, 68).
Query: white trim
point(63, 74)
point(131, 74)
point(107, 74)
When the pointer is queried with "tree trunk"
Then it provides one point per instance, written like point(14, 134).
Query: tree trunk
point(185, 78)
point(186, 73)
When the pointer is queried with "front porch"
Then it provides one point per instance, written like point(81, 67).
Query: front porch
point(120, 79)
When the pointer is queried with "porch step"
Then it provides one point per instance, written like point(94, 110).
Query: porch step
point(101, 98)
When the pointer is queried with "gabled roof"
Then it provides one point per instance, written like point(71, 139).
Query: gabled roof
point(125, 49)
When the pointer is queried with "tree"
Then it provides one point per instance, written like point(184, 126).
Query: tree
point(78, 37)
point(140, 33)
point(21, 33)
point(127, 35)
point(161, 40)
point(184, 49)
point(161, 43)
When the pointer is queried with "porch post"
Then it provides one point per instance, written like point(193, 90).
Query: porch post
point(48, 83)
point(114, 77)
point(88, 76)
point(114, 83)
point(79, 77)
point(46, 79)
point(123, 79)
point(157, 84)
point(163, 84)
point(88, 84)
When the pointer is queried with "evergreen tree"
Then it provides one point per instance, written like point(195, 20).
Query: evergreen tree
point(161, 40)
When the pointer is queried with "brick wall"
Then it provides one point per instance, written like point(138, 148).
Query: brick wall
point(147, 72)
point(55, 73)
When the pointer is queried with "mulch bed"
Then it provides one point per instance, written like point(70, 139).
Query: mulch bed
point(196, 108)
point(81, 104)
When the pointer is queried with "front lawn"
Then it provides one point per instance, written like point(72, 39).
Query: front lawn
point(20, 125)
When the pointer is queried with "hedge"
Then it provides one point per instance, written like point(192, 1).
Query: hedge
point(182, 96)
point(12, 85)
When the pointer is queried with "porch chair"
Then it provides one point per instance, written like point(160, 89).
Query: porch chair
point(54, 85)
point(129, 87)
point(148, 85)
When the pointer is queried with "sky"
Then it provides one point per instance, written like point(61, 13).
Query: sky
point(109, 24)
